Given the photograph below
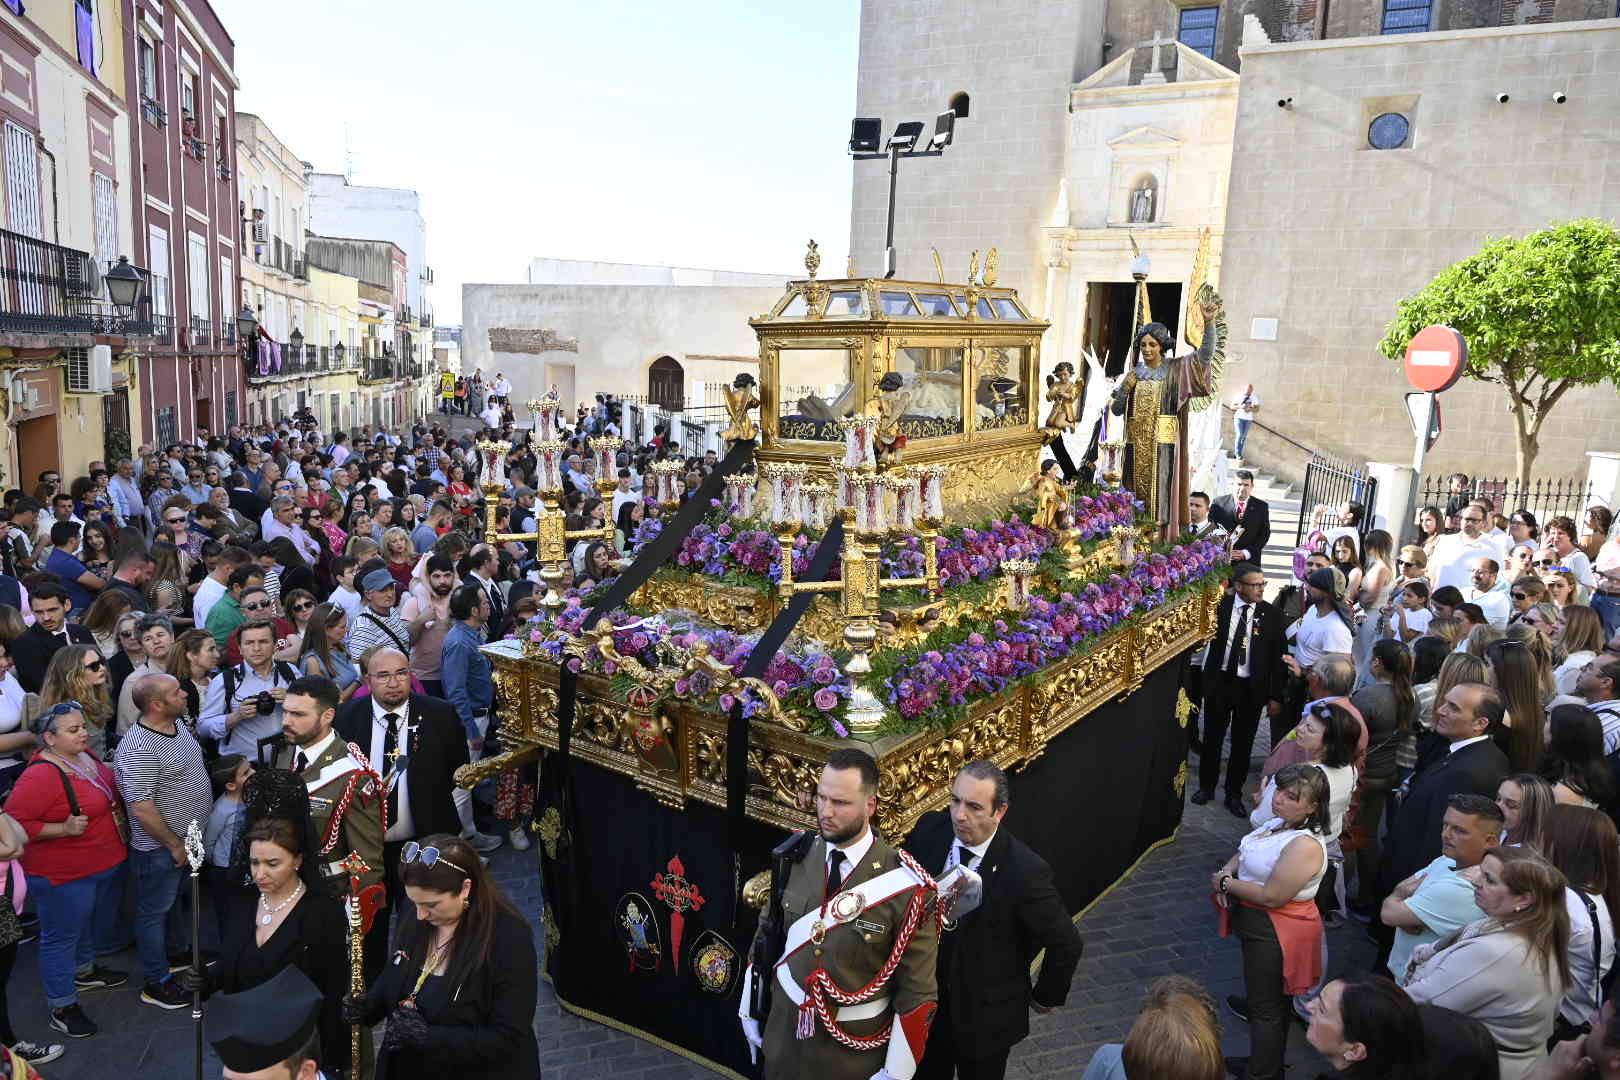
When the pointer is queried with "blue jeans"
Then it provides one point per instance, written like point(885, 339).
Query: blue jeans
point(77, 920)
point(157, 881)
point(1242, 435)
point(1608, 609)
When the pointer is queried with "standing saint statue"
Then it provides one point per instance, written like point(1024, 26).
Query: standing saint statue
point(1051, 500)
point(1153, 399)
point(740, 400)
point(1142, 203)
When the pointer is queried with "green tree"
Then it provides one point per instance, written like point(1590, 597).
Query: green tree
point(1541, 315)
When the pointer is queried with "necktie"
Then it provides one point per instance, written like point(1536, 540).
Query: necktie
point(1241, 507)
point(390, 741)
point(835, 873)
point(300, 762)
point(1238, 651)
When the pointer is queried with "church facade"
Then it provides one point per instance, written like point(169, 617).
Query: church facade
point(1337, 156)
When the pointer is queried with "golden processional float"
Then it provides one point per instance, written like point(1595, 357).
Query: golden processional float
point(956, 628)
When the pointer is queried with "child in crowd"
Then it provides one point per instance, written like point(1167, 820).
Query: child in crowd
point(229, 774)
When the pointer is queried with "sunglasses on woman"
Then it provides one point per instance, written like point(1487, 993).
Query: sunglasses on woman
point(95, 665)
point(175, 520)
point(303, 605)
point(427, 856)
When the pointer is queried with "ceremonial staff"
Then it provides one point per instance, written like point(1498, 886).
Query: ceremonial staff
point(354, 865)
point(194, 856)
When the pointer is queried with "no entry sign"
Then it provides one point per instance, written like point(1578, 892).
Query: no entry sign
point(1435, 358)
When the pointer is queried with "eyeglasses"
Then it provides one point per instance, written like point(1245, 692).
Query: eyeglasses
point(1517, 595)
point(1542, 562)
point(303, 605)
point(175, 520)
point(128, 633)
point(428, 857)
point(256, 607)
point(95, 665)
point(391, 676)
point(1404, 562)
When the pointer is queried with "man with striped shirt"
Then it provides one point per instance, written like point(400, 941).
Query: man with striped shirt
point(165, 785)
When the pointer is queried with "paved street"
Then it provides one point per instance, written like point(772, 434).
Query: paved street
point(1157, 922)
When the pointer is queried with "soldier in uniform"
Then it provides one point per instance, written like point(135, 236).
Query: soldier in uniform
point(345, 796)
point(852, 989)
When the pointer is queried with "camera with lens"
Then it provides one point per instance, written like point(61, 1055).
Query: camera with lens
point(264, 703)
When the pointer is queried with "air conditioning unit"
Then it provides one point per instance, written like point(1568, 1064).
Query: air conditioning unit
point(89, 371)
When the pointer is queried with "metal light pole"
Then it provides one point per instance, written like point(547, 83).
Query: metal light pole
point(865, 133)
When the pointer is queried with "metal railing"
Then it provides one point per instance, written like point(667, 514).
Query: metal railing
point(1545, 497)
point(202, 332)
point(45, 289)
point(1331, 483)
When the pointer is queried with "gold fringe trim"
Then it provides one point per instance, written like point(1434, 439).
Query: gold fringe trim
point(1035, 966)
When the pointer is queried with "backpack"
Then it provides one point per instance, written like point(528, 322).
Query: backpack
point(231, 674)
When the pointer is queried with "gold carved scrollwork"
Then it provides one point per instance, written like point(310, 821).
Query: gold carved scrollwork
point(732, 607)
point(981, 484)
point(789, 780)
point(550, 829)
point(756, 891)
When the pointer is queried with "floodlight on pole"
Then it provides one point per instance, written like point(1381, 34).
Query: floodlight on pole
point(866, 135)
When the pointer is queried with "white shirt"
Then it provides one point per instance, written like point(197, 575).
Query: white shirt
point(400, 824)
point(1456, 746)
point(1495, 603)
point(1454, 552)
point(969, 855)
point(11, 705)
point(1244, 405)
point(853, 854)
point(347, 599)
point(208, 594)
point(314, 750)
point(1320, 634)
point(1232, 624)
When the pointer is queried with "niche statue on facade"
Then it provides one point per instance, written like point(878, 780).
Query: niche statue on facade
point(1142, 203)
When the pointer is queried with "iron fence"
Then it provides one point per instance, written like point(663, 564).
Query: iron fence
point(1329, 485)
point(1545, 497)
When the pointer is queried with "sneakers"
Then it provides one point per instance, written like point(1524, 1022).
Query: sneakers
point(100, 978)
point(165, 995)
point(37, 1054)
point(520, 837)
point(71, 1021)
point(482, 842)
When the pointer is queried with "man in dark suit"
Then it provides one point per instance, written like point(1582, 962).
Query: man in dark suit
point(1247, 518)
point(983, 972)
point(1471, 764)
point(415, 743)
point(31, 650)
point(1242, 672)
point(479, 567)
point(244, 500)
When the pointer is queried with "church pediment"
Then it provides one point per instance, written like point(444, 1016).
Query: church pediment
point(1194, 66)
point(1190, 66)
point(1146, 137)
point(1117, 72)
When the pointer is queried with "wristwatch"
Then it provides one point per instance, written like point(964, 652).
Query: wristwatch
point(1224, 879)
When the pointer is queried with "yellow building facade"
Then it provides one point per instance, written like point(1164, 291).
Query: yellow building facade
point(69, 391)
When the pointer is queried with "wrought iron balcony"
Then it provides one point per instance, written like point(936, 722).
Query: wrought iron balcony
point(202, 332)
point(45, 289)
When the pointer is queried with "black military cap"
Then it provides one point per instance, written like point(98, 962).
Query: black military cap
point(266, 1025)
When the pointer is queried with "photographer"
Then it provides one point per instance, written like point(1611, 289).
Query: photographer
point(243, 703)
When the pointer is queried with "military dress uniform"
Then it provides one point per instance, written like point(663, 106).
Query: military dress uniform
point(860, 924)
point(330, 770)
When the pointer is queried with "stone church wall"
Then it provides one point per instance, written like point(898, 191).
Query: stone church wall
point(1326, 235)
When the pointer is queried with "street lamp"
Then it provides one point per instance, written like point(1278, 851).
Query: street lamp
point(124, 285)
point(337, 353)
point(246, 324)
point(864, 135)
point(296, 340)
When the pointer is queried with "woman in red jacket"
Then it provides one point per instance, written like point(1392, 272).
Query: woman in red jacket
point(67, 801)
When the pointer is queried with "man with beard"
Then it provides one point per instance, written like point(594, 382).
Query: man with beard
point(429, 603)
point(846, 901)
point(415, 743)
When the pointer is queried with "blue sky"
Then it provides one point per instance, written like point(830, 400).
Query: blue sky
point(700, 133)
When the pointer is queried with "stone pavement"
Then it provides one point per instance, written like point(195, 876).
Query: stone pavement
point(1158, 921)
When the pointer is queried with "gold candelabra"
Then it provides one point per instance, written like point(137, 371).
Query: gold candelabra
point(861, 559)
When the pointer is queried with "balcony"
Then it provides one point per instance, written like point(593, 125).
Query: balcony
point(44, 289)
point(201, 334)
point(425, 321)
point(300, 361)
point(153, 111)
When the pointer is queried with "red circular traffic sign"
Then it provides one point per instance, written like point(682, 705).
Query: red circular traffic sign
point(1435, 358)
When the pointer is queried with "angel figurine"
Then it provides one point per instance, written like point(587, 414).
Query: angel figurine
point(1051, 500)
point(893, 402)
point(740, 400)
point(1062, 391)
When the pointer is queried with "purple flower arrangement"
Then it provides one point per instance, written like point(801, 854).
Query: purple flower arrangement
point(937, 684)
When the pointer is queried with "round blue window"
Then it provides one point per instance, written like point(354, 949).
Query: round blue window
point(1388, 131)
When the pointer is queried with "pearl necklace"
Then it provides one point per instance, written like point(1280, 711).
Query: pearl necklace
point(270, 912)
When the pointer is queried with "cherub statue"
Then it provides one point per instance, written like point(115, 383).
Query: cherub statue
point(740, 400)
point(1051, 500)
point(1061, 391)
point(893, 402)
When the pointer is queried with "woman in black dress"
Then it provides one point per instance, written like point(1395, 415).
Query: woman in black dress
point(459, 989)
point(290, 917)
